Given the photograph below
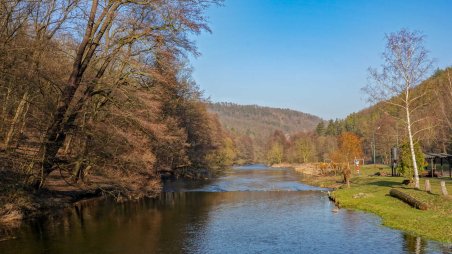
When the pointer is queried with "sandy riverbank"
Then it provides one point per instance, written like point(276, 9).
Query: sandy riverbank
point(311, 169)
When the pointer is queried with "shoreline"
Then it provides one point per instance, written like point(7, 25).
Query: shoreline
point(23, 203)
point(302, 168)
point(43, 203)
point(312, 175)
point(370, 193)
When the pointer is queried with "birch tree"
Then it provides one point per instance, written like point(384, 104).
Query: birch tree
point(406, 64)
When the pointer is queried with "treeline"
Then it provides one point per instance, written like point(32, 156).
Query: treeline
point(381, 126)
point(377, 127)
point(302, 147)
point(103, 88)
point(250, 126)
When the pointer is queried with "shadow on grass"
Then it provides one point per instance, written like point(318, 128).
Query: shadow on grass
point(419, 190)
point(391, 184)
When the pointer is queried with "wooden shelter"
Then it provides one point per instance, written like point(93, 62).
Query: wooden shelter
point(438, 158)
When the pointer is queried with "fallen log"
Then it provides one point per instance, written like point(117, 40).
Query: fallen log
point(408, 199)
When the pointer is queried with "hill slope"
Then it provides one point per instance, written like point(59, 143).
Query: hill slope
point(261, 120)
point(258, 123)
point(432, 120)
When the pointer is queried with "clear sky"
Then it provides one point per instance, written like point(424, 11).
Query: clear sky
point(310, 56)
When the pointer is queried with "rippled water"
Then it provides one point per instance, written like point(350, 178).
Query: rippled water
point(253, 178)
point(247, 210)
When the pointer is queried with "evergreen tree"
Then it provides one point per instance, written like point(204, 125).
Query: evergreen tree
point(320, 129)
point(406, 163)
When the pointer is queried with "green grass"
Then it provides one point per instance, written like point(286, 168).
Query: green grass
point(435, 223)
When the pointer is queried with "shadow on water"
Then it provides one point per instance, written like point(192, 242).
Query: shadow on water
point(205, 221)
point(146, 226)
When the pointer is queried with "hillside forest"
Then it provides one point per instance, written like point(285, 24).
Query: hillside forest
point(278, 137)
point(380, 130)
point(250, 127)
point(102, 90)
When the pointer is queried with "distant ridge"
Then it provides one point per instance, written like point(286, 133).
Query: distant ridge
point(261, 120)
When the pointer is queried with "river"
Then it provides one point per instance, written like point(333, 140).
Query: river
point(250, 209)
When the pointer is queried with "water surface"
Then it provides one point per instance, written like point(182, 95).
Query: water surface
point(251, 209)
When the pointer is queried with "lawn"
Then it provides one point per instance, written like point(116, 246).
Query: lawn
point(371, 193)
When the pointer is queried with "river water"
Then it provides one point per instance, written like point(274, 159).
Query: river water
point(252, 209)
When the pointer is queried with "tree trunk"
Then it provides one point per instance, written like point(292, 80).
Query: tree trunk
point(5, 109)
point(12, 128)
point(413, 154)
point(83, 163)
point(24, 123)
point(57, 131)
point(347, 174)
point(408, 199)
point(68, 144)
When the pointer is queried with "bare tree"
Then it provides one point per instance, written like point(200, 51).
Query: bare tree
point(109, 28)
point(406, 63)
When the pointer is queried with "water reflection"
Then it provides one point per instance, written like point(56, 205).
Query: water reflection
point(414, 244)
point(217, 222)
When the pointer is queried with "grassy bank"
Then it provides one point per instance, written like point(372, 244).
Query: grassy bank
point(371, 193)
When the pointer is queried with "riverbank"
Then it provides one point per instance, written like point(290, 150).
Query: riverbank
point(302, 168)
point(316, 174)
point(370, 192)
point(19, 201)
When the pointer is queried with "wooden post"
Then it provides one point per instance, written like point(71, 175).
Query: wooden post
point(443, 188)
point(432, 168)
point(441, 162)
point(450, 167)
point(427, 186)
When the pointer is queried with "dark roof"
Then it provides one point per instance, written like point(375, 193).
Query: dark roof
point(437, 155)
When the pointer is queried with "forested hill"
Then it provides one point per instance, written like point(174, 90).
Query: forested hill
point(262, 120)
point(432, 120)
point(251, 126)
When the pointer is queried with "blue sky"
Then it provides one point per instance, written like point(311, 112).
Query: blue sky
point(310, 56)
